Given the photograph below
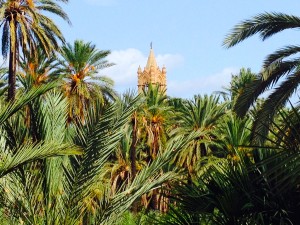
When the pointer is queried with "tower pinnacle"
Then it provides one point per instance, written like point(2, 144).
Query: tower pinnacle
point(151, 60)
point(152, 74)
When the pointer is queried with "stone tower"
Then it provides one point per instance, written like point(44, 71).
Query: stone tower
point(152, 74)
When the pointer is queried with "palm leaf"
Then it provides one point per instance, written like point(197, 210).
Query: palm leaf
point(11, 108)
point(266, 24)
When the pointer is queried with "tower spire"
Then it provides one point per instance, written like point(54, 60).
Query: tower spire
point(151, 59)
point(152, 74)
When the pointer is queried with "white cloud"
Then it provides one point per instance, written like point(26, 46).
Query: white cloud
point(170, 60)
point(202, 84)
point(124, 73)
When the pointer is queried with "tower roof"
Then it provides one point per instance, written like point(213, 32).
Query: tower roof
point(151, 60)
point(152, 74)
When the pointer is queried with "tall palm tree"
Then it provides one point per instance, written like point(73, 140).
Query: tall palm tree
point(82, 201)
point(24, 27)
point(14, 158)
point(279, 64)
point(200, 114)
point(35, 70)
point(80, 65)
point(151, 122)
point(155, 115)
point(44, 188)
point(236, 190)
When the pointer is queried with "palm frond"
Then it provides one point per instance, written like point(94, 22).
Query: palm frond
point(281, 54)
point(10, 108)
point(275, 101)
point(99, 143)
point(31, 152)
point(266, 24)
point(149, 178)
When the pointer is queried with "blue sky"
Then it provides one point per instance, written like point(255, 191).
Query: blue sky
point(187, 38)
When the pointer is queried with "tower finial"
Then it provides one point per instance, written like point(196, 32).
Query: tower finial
point(151, 45)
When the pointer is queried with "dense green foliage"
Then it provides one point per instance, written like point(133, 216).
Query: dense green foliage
point(75, 152)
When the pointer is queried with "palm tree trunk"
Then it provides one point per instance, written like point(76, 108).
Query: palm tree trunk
point(155, 141)
point(12, 67)
point(133, 146)
point(133, 155)
point(203, 150)
point(33, 124)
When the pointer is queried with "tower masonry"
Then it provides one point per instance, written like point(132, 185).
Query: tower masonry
point(152, 74)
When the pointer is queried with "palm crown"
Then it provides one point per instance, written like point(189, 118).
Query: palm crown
point(278, 65)
point(25, 27)
point(81, 62)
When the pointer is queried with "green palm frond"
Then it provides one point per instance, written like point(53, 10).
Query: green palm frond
point(234, 133)
point(237, 84)
point(266, 24)
point(266, 79)
point(80, 64)
point(31, 152)
point(281, 54)
point(149, 178)
point(25, 28)
point(274, 102)
point(282, 165)
point(280, 69)
point(99, 142)
point(200, 114)
point(10, 108)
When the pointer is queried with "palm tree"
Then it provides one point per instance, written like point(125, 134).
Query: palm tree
point(238, 83)
point(14, 158)
point(150, 125)
point(200, 114)
point(278, 65)
point(83, 198)
point(243, 189)
point(128, 96)
point(45, 190)
point(81, 62)
point(234, 136)
point(122, 169)
point(24, 27)
point(38, 69)
point(155, 115)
